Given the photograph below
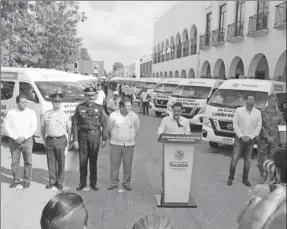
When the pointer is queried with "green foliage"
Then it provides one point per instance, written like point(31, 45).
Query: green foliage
point(117, 65)
point(43, 33)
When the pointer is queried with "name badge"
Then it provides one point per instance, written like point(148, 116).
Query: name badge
point(96, 110)
point(83, 110)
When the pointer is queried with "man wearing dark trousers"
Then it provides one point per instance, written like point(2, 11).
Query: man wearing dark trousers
point(89, 131)
point(56, 130)
point(145, 97)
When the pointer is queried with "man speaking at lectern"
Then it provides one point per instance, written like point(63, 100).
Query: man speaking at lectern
point(175, 124)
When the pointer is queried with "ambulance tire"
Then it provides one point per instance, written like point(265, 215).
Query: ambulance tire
point(158, 113)
point(213, 144)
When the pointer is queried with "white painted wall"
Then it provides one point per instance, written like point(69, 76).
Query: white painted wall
point(186, 13)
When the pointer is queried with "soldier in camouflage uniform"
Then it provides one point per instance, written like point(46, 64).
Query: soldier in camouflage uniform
point(268, 138)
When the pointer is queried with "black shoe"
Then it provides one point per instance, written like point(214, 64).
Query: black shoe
point(247, 183)
point(229, 182)
point(81, 187)
point(112, 187)
point(49, 186)
point(127, 187)
point(26, 184)
point(94, 187)
point(14, 184)
point(59, 187)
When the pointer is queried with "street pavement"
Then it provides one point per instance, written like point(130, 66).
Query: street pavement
point(218, 204)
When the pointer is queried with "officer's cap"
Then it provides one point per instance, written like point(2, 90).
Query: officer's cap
point(57, 97)
point(90, 90)
point(272, 96)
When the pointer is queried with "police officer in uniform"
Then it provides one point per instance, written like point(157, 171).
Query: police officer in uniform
point(89, 130)
point(56, 130)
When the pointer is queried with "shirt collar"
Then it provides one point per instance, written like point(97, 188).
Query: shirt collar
point(248, 110)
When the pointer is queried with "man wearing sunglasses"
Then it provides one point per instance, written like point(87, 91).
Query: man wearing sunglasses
point(56, 128)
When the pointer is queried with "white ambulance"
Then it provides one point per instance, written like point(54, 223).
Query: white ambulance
point(38, 85)
point(161, 94)
point(148, 83)
point(194, 95)
point(218, 117)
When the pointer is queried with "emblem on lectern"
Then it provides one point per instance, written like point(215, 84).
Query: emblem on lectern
point(178, 155)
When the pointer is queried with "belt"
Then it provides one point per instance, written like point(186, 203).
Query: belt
point(55, 137)
point(88, 131)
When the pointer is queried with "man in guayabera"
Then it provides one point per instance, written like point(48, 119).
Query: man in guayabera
point(89, 130)
point(268, 139)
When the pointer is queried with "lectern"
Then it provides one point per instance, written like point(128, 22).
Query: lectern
point(178, 153)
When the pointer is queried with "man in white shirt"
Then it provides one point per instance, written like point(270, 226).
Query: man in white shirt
point(101, 95)
point(145, 97)
point(123, 125)
point(174, 124)
point(129, 92)
point(247, 125)
point(113, 104)
point(20, 125)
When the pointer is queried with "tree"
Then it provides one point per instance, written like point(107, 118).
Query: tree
point(40, 33)
point(117, 65)
point(84, 54)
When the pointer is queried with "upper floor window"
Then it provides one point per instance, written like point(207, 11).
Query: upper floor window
point(262, 7)
point(76, 65)
point(239, 11)
point(222, 19)
point(208, 22)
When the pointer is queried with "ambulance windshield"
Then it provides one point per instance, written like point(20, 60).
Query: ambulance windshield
point(231, 98)
point(165, 88)
point(192, 92)
point(72, 91)
point(150, 85)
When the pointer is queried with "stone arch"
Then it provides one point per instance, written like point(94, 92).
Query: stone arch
point(153, 75)
point(219, 69)
point(157, 76)
point(176, 74)
point(154, 55)
point(170, 75)
point(280, 68)
point(191, 73)
point(183, 74)
point(258, 67)
point(178, 46)
point(161, 75)
point(193, 40)
point(167, 55)
point(236, 68)
point(165, 75)
point(205, 70)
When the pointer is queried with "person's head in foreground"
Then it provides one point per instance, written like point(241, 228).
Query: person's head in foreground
point(153, 222)
point(21, 101)
point(125, 107)
point(267, 207)
point(176, 109)
point(250, 101)
point(65, 211)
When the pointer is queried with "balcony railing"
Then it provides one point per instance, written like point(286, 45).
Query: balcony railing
point(193, 49)
point(280, 16)
point(167, 56)
point(162, 57)
point(158, 58)
point(179, 51)
point(218, 36)
point(204, 41)
point(235, 30)
point(185, 51)
point(258, 22)
point(172, 55)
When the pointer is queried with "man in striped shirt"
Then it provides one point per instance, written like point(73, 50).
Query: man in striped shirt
point(123, 125)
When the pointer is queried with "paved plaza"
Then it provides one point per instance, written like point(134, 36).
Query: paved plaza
point(218, 204)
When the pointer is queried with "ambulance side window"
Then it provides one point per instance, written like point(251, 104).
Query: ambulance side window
point(7, 89)
point(28, 90)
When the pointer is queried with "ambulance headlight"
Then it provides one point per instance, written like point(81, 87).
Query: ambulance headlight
point(206, 122)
